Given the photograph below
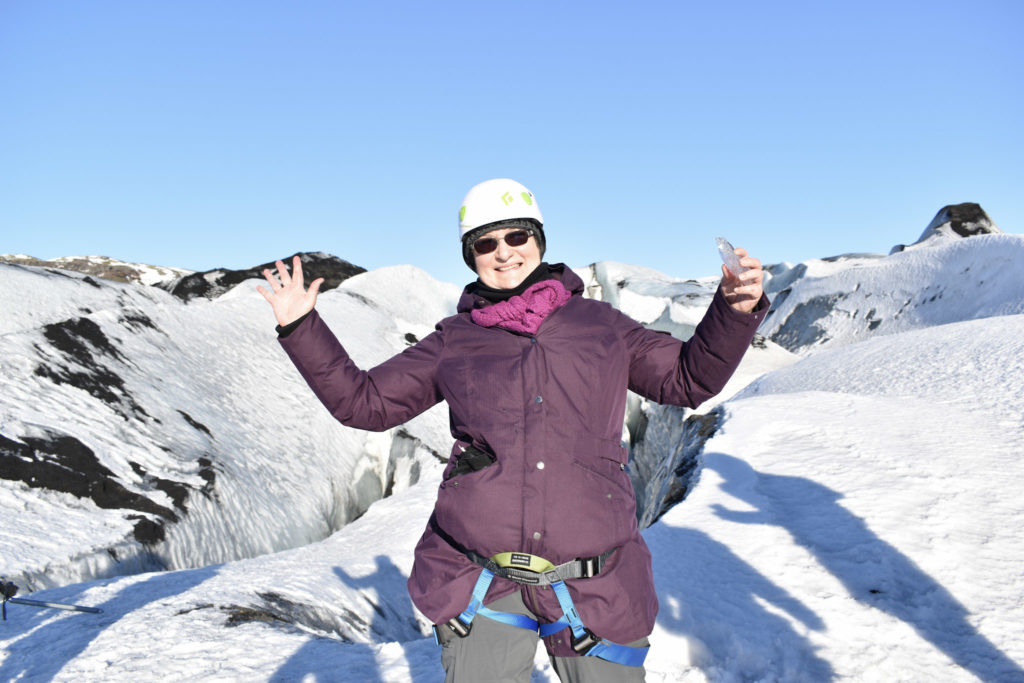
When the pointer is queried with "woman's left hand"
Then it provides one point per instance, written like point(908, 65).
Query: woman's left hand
point(742, 292)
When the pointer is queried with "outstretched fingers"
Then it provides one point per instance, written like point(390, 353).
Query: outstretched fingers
point(282, 272)
point(275, 285)
point(271, 280)
point(314, 289)
point(296, 275)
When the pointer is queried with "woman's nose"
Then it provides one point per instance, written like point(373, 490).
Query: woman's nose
point(503, 252)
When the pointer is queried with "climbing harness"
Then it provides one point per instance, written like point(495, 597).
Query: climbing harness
point(531, 570)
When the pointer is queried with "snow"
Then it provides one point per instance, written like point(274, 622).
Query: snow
point(860, 529)
point(652, 298)
point(849, 299)
point(856, 515)
point(202, 382)
point(32, 297)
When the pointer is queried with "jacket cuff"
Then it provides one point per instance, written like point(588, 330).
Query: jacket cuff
point(758, 313)
point(284, 330)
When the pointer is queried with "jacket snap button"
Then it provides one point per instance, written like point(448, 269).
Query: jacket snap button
point(536, 535)
point(540, 465)
point(539, 399)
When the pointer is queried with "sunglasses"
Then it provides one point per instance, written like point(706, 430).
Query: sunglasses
point(516, 238)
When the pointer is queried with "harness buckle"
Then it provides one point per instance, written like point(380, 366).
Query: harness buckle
point(458, 627)
point(585, 643)
point(589, 567)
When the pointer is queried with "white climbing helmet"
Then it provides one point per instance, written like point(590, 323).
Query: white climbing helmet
point(497, 200)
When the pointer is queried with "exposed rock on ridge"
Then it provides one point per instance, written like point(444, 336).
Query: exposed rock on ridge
point(102, 267)
point(213, 283)
point(954, 221)
point(186, 284)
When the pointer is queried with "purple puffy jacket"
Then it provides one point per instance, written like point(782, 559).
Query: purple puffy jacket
point(550, 407)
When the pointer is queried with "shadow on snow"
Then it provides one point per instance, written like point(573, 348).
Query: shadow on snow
point(723, 605)
point(393, 621)
point(61, 638)
point(872, 571)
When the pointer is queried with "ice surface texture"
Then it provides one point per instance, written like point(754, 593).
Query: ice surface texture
point(729, 257)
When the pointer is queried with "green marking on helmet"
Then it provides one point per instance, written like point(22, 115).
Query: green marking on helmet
point(462, 214)
point(507, 198)
point(527, 198)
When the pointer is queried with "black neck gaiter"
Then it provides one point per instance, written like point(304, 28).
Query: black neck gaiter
point(539, 274)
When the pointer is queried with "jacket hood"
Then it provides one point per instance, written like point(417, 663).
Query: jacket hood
point(559, 271)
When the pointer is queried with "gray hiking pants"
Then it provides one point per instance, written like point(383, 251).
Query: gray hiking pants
point(498, 653)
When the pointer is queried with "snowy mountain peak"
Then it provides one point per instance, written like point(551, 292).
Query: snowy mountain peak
point(954, 221)
point(103, 267)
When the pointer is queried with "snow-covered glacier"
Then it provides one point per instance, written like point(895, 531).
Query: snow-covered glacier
point(849, 509)
point(139, 432)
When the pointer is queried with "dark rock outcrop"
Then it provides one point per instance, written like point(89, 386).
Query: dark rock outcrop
point(213, 283)
point(60, 462)
point(956, 220)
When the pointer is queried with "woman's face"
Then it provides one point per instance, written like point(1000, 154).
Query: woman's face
point(506, 267)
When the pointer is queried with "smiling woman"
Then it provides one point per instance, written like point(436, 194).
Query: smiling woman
point(505, 257)
point(534, 531)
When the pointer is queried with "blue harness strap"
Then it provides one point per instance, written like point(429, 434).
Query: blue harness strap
point(476, 606)
point(583, 639)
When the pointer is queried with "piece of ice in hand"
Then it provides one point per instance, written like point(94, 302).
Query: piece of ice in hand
point(729, 257)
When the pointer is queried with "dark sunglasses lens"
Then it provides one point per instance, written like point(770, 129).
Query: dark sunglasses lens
point(517, 238)
point(485, 245)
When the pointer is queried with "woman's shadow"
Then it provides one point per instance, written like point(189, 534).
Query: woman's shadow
point(393, 621)
point(872, 571)
point(729, 612)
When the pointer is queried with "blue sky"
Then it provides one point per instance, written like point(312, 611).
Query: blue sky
point(225, 134)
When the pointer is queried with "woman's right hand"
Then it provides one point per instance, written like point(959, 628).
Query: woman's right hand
point(289, 298)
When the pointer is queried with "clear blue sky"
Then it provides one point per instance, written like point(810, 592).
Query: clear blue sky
point(224, 134)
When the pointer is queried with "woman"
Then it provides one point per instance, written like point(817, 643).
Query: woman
point(534, 528)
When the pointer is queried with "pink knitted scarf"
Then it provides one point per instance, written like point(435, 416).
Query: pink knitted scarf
point(524, 313)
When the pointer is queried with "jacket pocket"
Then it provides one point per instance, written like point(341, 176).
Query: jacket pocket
point(604, 495)
point(612, 471)
point(472, 459)
point(482, 509)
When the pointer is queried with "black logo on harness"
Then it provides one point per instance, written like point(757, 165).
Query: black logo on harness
point(520, 559)
point(522, 577)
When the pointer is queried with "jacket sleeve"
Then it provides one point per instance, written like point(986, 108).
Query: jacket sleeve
point(686, 374)
point(385, 396)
